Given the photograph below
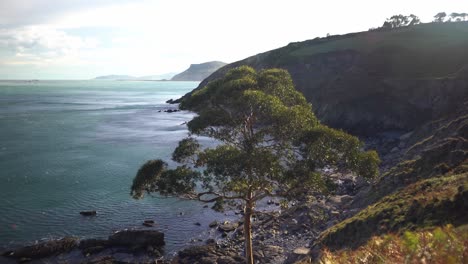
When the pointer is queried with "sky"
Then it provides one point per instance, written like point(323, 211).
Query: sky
point(82, 39)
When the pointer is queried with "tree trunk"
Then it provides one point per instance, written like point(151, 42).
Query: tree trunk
point(248, 231)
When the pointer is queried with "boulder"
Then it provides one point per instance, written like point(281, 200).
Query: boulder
point(137, 238)
point(44, 249)
point(301, 251)
point(227, 227)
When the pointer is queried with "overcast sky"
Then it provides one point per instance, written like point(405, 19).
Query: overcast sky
point(81, 39)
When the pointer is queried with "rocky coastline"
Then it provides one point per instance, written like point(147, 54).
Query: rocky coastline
point(280, 235)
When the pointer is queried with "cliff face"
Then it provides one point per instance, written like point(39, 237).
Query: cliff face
point(377, 81)
point(198, 72)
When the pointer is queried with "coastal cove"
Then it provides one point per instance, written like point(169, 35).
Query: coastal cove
point(71, 146)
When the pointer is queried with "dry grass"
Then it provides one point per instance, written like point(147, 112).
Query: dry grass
point(444, 245)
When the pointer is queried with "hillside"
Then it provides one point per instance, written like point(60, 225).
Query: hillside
point(379, 80)
point(198, 72)
point(403, 91)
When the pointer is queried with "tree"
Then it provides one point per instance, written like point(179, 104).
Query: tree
point(270, 144)
point(458, 16)
point(414, 20)
point(440, 17)
point(397, 21)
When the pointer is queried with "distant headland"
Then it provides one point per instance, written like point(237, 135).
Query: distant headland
point(196, 72)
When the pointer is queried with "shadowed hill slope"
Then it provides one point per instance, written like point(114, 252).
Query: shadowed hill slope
point(376, 81)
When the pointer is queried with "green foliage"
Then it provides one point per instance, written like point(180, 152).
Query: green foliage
point(271, 142)
point(146, 176)
point(179, 181)
point(186, 149)
point(153, 176)
point(397, 21)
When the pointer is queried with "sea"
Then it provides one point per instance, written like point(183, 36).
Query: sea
point(71, 146)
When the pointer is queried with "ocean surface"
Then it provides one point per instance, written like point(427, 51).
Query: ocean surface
point(69, 146)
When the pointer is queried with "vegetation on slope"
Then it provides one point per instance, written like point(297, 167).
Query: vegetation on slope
point(427, 203)
point(420, 51)
point(428, 187)
point(445, 245)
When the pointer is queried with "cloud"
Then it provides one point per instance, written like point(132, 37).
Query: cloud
point(43, 45)
point(15, 13)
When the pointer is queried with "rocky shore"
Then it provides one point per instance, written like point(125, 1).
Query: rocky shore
point(126, 246)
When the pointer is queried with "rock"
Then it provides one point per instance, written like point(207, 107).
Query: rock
point(197, 224)
point(89, 243)
point(149, 221)
point(272, 250)
point(137, 238)
point(226, 260)
point(88, 213)
point(213, 224)
point(227, 227)
point(92, 250)
point(148, 224)
point(406, 136)
point(335, 213)
point(301, 251)
point(346, 199)
point(197, 251)
point(171, 110)
point(44, 249)
point(210, 241)
point(103, 260)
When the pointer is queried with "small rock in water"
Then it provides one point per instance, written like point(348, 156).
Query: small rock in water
point(88, 213)
point(198, 224)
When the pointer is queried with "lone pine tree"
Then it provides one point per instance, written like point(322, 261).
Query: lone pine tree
point(270, 144)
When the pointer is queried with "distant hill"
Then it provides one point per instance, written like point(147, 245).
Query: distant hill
point(198, 72)
point(115, 77)
point(158, 77)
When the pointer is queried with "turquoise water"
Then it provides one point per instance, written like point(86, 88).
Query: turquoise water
point(68, 146)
